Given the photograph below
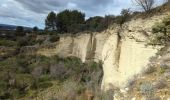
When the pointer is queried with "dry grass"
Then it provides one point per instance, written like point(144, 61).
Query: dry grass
point(160, 82)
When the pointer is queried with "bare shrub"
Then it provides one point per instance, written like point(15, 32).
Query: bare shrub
point(161, 83)
point(153, 59)
point(163, 65)
point(146, 5)
point(150, 69)
point(132, 81)
point(167, 74)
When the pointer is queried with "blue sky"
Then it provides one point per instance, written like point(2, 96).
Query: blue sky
point(33, 12)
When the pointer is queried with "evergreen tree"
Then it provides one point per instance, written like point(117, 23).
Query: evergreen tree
point(69, 21)
point(35, 29)
point(19, 31)
point(51, 21)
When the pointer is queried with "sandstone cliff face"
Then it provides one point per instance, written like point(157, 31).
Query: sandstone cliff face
point(84, 46)
point(120, 70)
point(122, 51)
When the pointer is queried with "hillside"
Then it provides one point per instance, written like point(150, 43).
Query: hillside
point(130, 61)
point(11, 27)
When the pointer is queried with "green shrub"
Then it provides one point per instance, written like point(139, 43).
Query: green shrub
point(59, 71)
point(9, 43)
point(43, 60)
point(15, 93)
point(69, 90)
point(54, 38)
point(158, 27)
point(23, 41)
point(27, 40)
point(19, 29)
point(8, 66)
point(23, 81)
point(15, 86)
point(168, 30)
point(37, 71)
point(124, 17)
point(17, 74)
point(44, 78)
point(93, 66)
point(73, 64)
point(163, 67)
point(162, 70)
point(44, 85)
point(3, 87)
point(166, 21)
point(161, 32)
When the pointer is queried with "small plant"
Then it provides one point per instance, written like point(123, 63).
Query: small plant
point(163, 65)
point(147, 89)
point(162, 70)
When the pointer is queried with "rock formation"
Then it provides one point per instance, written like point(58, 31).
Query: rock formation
point(123, 51)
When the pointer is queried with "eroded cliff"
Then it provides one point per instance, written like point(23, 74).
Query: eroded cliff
point(123, 51)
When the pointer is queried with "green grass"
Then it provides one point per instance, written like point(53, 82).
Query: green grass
point(8, 43)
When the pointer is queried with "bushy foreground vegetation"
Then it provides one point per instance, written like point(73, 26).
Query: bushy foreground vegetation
point(23, 75)
point(161, 32)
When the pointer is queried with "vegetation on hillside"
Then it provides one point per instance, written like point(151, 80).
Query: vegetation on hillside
point(73, 21)
point(25, 75)
point(155, 81)
point(161, 33)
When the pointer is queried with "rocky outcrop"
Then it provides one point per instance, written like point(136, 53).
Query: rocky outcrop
point(86, 46)
point(123, 51)
point(133, 58)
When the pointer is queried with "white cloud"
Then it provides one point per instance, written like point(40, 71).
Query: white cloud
point(33, 12)
point(11, 12)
